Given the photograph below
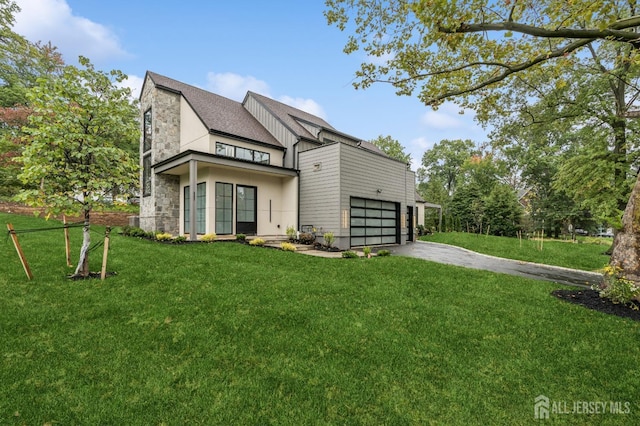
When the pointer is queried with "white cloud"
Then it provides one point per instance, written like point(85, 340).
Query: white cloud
point(417, 148)
point(54, 21)
point(134, 83)
point(446, 117)
point(421, 144)
point(307, 105)
point(235, 86)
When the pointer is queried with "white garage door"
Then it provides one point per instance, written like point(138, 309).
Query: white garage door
point(374, 222)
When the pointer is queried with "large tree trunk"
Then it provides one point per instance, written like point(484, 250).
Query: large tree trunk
point(82, 270)
point(626, 245)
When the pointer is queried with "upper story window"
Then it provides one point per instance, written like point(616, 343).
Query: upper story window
point(242, 153)
point(147, 131)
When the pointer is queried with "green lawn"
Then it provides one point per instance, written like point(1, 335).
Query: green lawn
point(588, 257)
point(229, 334)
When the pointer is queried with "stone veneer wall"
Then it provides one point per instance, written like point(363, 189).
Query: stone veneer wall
point(160, 211)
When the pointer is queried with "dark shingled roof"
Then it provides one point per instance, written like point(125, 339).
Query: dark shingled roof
point(218, 114)
point(287, 115)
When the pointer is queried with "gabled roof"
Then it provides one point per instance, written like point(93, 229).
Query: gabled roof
point(293, 118)
point(288, 114)
point(217, 113)
point(371, 147)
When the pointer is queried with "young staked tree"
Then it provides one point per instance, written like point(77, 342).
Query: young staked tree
point(471, 52)
point(76, 136)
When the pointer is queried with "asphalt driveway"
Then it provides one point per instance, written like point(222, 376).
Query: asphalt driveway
point(443, 253)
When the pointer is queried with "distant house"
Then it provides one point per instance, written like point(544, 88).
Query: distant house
point(210, 164)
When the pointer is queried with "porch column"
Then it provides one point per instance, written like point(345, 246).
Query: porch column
point(193, 187)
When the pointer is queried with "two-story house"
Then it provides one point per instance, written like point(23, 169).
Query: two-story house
point(213, 165)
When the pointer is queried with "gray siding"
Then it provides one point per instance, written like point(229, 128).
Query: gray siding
point(275, 127)
point(346, 171)
point(363, 174)
point(314, 130)
point(320, 189)
point(334, 137)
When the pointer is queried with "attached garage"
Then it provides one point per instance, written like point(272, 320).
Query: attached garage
point(374, 222)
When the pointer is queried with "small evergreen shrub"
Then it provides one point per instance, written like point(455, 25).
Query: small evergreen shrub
point(287, 247)
point(209, 238)
point(384, 253)
point(367, 251)
point(179, 239)
point(132, 231)
point(348, 254)
point(616, 288)
point(256, 242)
point(241, 237)
point(329, 239)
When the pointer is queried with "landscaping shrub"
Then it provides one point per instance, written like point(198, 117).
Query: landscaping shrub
point(241, 237)
point(307, 238)
point(291, 233)
point(256, 242)
point(384, 253)
point(209, 238)
point(618, 289)
point(329, 239)
point(164, 236)
point(287, 247)
point(367, 251)
point(179, 239)
point(132, 231)
point(349, 254)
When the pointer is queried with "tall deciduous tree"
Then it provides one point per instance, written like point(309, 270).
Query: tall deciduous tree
point(75, 154)
point(21, 64)
point(444, 161)
point(466, 51)
point(392, 148)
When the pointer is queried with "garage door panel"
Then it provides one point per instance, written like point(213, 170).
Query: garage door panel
point(374, 222)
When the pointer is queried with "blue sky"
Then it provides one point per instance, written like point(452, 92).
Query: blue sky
point(281, 48)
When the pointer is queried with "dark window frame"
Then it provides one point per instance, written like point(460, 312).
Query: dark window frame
point(256, 155)
point(146, 175)
point(147, 130)
point(220, 231)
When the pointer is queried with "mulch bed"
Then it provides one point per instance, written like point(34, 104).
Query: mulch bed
point(591, 299)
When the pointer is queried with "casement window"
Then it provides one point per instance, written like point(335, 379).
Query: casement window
point(201, 208)
point(146, 175)
point(147, 135)
point(224, 208)
point(242, 153)
point(147, 131)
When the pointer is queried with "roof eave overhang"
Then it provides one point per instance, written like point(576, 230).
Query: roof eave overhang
point(240, 138)
point(166, 166)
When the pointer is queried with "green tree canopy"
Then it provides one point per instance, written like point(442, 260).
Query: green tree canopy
point(444, 161)
point(21, 64)
point(392, 148)
point(80, 124)
point(472, 52)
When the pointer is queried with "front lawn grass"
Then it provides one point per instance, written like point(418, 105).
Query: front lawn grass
point(587, 257)
point(225, 333)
